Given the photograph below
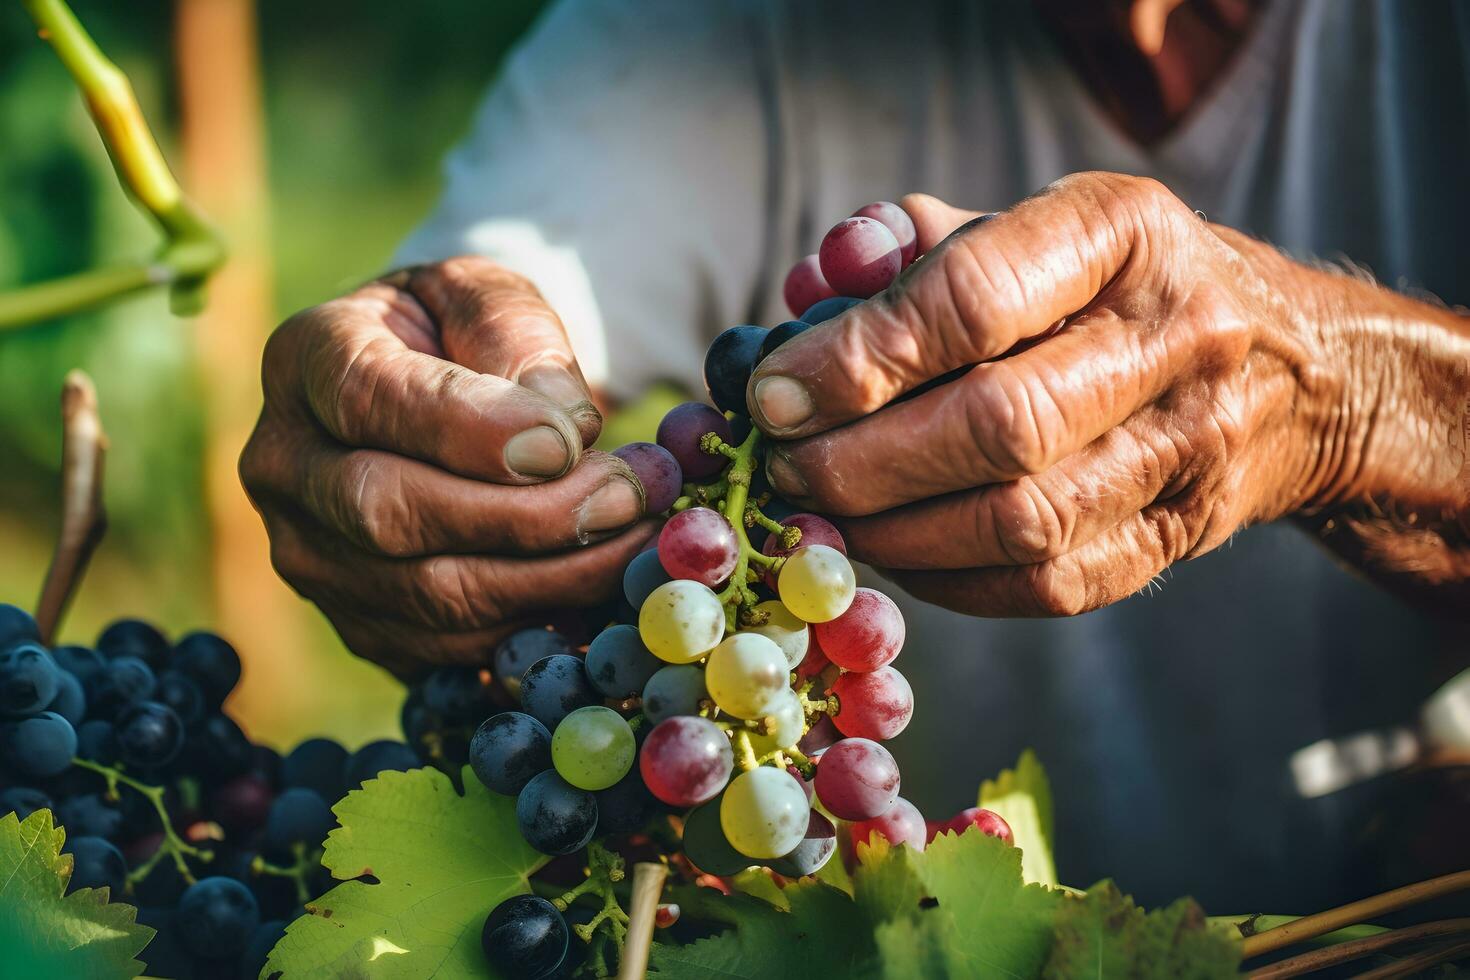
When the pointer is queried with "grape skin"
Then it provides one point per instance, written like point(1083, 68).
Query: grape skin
point(698, 544)
point(686, 760)
point(149, 734)
point(989, 823)
point(728, 364)
point(625, 806)
point(592, 748)
point(96, 863)
point(508, 750)
point(657, 471)
point(554, 687)
point(643, 574)
point(681, 621)
point(828, 308)
point(867, 636)
point(784, 722)
point(29, 680)
point(216, 917)
point(816, 583)
point(781, 333)
point(680, 433)
point(901, 823)
point(805, 285)
point(525, 937)
point(676, 689)
point(764, 813)
point(554, 816)
point(860, 257)
point(875, 705)
point(746, 675)
point(857, 779)
point(298, 816)
point(815, 849)
point(42, 745)
point(520, 650)
point(896, 220)
point(705, 843)
point(618, 663)
point(783, 629)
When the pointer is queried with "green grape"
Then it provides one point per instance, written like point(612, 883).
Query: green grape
point(785, 724)
point(817, 583)
point(746, 674)
point(681, 621)
point(764, 813)
point(785, 630)
point(592, 748)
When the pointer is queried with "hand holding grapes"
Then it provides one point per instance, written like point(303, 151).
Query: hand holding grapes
point(419, 464)
point(1052, 406)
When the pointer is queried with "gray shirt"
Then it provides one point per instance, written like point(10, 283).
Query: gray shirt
point(656, 167)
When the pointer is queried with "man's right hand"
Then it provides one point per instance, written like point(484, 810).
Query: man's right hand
point(419, 465)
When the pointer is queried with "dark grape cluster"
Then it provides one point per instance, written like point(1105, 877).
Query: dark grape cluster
point(90, 732)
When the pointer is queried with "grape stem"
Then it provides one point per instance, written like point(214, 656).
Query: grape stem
point(605, 869)
point(305, 863)
point(173, 845)
point(737, 595)
point(744, 754)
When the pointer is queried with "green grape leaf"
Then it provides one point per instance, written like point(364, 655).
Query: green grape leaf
point(42, 933)
point(979, 916)
point(1023, 797)
point(817, 934)
point(441, 862)
point(1104, 935)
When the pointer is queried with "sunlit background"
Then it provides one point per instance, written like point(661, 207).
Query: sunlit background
point(311, 132)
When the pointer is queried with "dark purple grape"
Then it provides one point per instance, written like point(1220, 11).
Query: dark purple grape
point(554, 687)
point(134, 638)
point(828, 308)
point(525, 936)
point(728, 363)
point(258, 950)
point(96, 863)
point(242, 805)
point(70, 702)
point(149, 734)
point(216, 917)
point(42, 745)
point(781, 333)
point(509, 750)
point(459, 695)
point(618, 664)
point(377, 757)
point(705, 843)
point(813, 851)
point(120, 683)
point(24, 801)
point(643, 574)
point(97, 741)
point(317, 764)
point(554, 816)
point(17, 626)
point(88, 814)
point(657, 472)
point(680, 433)
point(181, 693)
point(77, 660)
point(29, 680)
point(676, 689)
point(298, 816)
point(625, 806)
point(523, 648)
point(211, 662)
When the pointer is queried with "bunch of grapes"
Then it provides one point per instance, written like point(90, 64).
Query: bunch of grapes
point(164, 800)
point(746, 677)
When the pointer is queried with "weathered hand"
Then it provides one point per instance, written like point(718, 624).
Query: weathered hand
point(419, 465)
point(1196, 386)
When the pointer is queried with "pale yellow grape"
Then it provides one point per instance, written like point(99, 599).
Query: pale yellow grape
point(784, 722)
point(817, 583)
point(745, 675)
point(788, 632)
point(764, 813)
point(681, 621)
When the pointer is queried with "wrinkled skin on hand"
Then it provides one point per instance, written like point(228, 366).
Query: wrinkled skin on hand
point(420, 466)
point(1199, 382)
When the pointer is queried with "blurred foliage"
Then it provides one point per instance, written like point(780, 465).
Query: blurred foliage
point(361, 101)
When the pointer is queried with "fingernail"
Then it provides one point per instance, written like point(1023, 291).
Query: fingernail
point(615, 504)
point(783, 402)
point(556, 383)
point(538, 452)
point(784, 476)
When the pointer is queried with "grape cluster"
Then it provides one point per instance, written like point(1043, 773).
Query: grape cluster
point(746, 683)
point(164, 800)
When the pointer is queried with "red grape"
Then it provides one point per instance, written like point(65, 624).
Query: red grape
point(901, 823)
point(860, 257)
point(814, 662)
point(806, 286)
point(806, 786)
point(867, 636)
point(686, 760)
point(819, 738)
point(857, 779)
point(682, 429)
point(896, 220)
point(875, 705)
point(814, 530)
point(657, 472)
point(990, 823)
point(698, 544)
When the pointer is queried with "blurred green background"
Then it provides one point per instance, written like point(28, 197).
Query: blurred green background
point(359, 103)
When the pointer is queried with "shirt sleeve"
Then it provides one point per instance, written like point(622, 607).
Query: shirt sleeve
point(619, 163)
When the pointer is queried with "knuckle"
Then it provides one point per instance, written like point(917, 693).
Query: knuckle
point(376, 512)
point(445, 592)
point(1026, 524)
point(1001, 416)
point(1056, 589)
